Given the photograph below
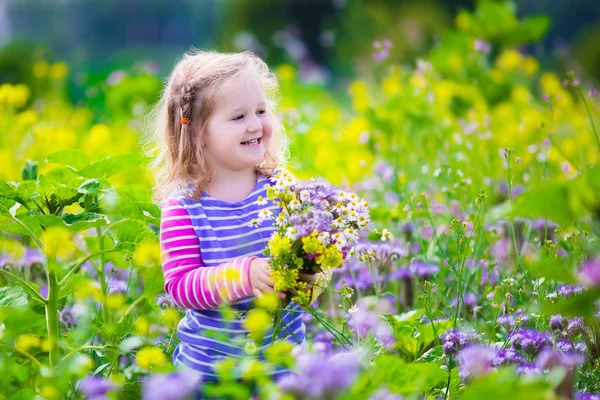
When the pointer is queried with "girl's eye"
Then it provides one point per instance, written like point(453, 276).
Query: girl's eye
point(239, 117)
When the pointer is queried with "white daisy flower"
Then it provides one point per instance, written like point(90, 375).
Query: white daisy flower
point(385, 235)
point(254, 223)
point(261, 201)
point(352, 309)
point(291, 233)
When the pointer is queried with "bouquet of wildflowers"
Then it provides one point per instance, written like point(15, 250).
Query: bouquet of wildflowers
point(317, 229)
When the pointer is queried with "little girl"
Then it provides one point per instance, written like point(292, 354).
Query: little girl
point(220, 142)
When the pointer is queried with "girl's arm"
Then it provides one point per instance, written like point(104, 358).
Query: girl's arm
point(189, 282)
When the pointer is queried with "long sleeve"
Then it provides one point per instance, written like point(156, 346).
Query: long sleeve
point(190, 283)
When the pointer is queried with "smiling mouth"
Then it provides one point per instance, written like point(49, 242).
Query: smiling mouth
point(252, 142)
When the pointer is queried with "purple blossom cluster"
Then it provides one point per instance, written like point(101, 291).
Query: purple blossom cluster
point(529, 341)
point(589, 273)
point(363, 322)
point(318, 375)
point(175, 386)
point(96, 387)
point(454, 340)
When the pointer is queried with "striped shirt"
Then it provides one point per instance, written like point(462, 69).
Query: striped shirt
point(206, 249)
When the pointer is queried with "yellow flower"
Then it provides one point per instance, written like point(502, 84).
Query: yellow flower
point(150, 356)
point(268, 302)
point(59, 71)
point(285, 72)
point(279, 245)
point(49, 392)
point(88, 288)
point(40, 69)
point(312, 244)
point(360, 98)
point(147, 253)
point(509, 59)
point(170, 317)
point(257, 321)
point(141, 326)
point(531, 66)
point(26, 342)
point(114, 301)
point(331, 258)
point(98, 139)
point(58, 241)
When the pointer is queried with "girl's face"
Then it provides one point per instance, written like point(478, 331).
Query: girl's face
point(239, 130)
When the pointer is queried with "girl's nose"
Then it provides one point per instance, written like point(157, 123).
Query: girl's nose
point(255, 124)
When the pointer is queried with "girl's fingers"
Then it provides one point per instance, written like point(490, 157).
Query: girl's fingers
point(282, 295)
point(308, 277)
point(266, 288)
point(257, 292)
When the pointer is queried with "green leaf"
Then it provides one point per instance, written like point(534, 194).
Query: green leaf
point(71, 158)
point(13, 296)
point(70, 286)
point(30, 171)
point(433, 355)
point(506, 384)
point(578, 305)
point(84, 220)
point(20, 192)
point(550, 202)
point(148, 213)
point(111, 165)
point(400, 377)
point(129, 233)
point(553, 269)
point(6, 207)
point(37, 222)
point(55, 194)
point(90, 187)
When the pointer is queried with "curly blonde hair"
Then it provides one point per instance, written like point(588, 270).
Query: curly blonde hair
point(192, 91)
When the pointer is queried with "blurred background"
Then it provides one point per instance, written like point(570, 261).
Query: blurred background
point(324, 38)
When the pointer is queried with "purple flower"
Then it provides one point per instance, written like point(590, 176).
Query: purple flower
point(322, 342)
point(469, 300)
point(528, 369)
point(482, 46)
point(384, 394)
point(507, 356)
point(529, 340)
point(386, 253)
point(165, 301)
point(589, 273)
point(557, 322)
point(364, 322)
point(318, 375)
point(423, 269)
point(576, 327)
point(176, 386)
point(455, 340)
point(310, 221)
point(475, 361)
point(512, 320)
point(67, 317)
point(587, 396)
point(96, 387)
point(31, 256)
point(567, 290)
point(550, 358)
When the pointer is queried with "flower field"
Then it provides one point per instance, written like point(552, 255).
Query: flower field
point(479, 276)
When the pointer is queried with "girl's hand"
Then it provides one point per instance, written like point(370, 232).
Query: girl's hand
point(260, 277)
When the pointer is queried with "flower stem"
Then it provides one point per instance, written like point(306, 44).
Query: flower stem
point(52, 316)
point(591, 118)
